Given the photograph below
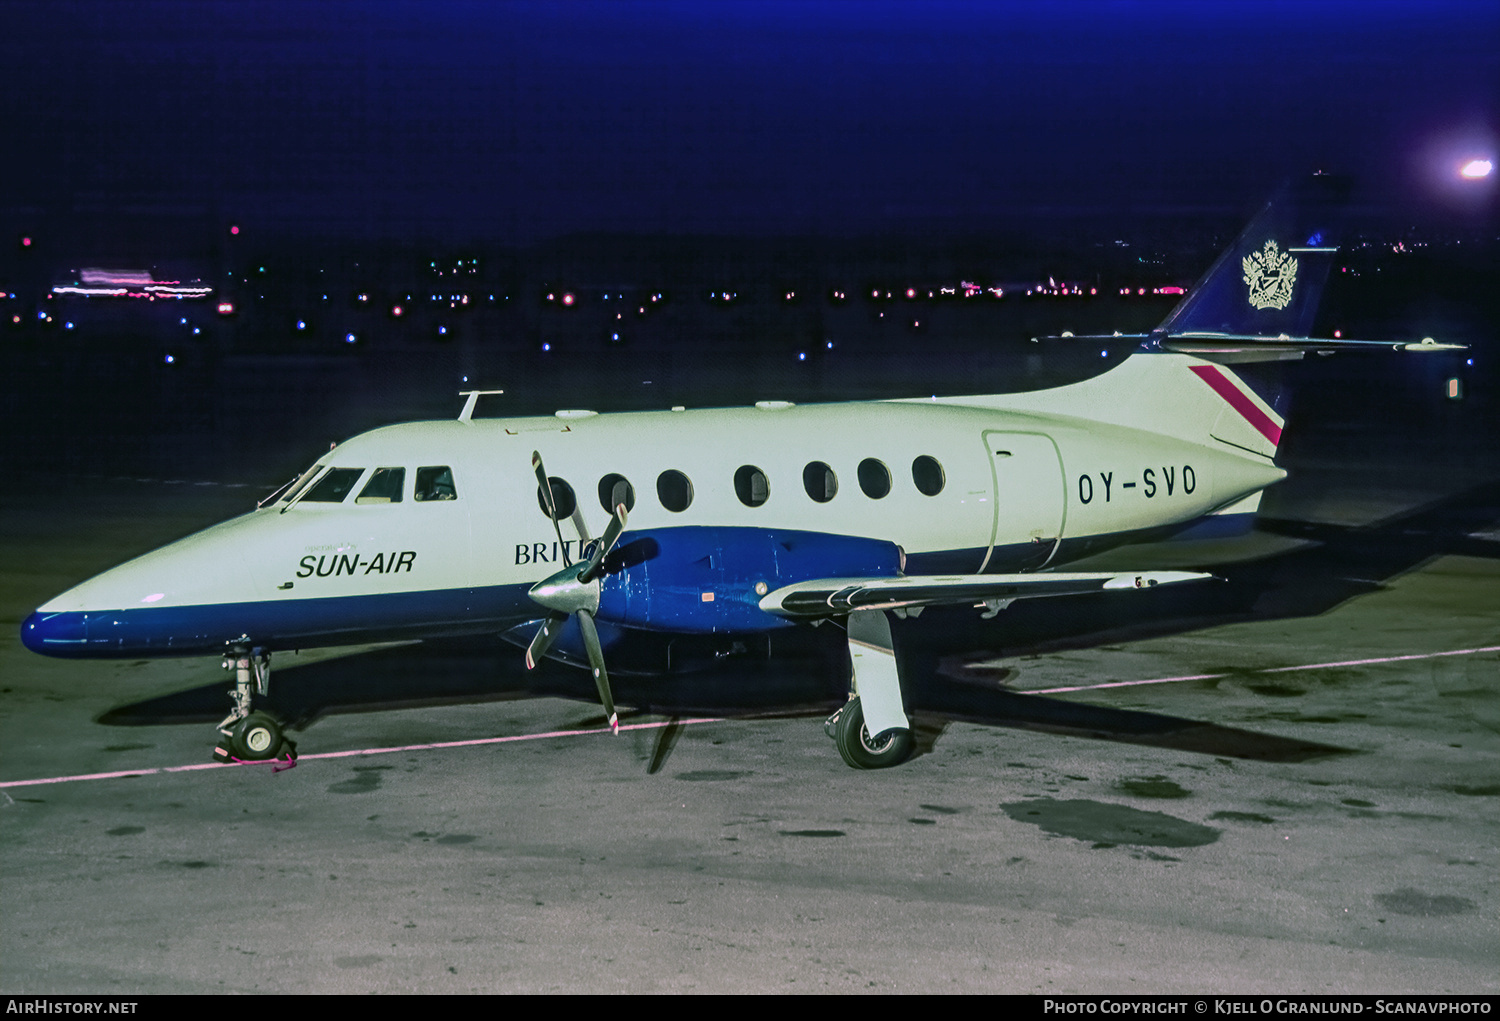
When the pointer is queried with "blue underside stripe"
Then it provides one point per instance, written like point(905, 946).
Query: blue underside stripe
point(278, 624)
point(350, 620)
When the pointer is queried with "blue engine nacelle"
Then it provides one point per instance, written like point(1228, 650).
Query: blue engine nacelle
point(704, 579)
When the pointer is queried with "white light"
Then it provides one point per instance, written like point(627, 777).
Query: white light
point(1475, 169)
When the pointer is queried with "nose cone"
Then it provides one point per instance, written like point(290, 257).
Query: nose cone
point(55, 634)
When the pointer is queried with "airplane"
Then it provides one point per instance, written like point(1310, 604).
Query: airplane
point(735, 523)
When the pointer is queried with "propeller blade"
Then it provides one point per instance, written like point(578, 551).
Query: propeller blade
point(606, 543)
point(544, 486)
point(596, 661)
point(545, 636)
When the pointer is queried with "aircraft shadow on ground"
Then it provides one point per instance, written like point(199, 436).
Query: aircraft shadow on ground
point(807, 675)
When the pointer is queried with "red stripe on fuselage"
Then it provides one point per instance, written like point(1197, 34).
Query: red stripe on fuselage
point(1239, 401)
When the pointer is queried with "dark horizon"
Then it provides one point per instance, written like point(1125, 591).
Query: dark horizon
point(514, 123)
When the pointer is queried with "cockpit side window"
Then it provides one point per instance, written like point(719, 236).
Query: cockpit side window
point(385, 486)
point(333, 486)
point(435, 483)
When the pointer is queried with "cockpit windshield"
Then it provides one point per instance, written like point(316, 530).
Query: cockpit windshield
point(334, 485)
point(300, 483)
point(385, 486)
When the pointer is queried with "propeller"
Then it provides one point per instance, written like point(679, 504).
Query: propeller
point(574, 591)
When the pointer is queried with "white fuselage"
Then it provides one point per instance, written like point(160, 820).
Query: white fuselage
point(961, 485)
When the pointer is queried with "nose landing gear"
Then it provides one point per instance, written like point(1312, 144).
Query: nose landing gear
point(251, 735)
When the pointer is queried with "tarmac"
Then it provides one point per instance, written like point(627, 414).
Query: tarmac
point(1285, 783)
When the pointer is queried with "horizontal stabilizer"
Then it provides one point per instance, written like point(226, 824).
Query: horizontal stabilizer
point(833, 597)
point(1226, 348)
point(1235, 347)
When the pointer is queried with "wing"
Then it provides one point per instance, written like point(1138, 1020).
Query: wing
point(834, 597)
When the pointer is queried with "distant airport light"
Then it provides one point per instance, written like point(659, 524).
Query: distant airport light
point(226, 308)
point(1455, 389)
point(301, 324)
point(350, 338)
point(169, 359)
point(397, 311)
point(234, 230)
point(568, 299)
point(25, 242)
point(1475, 169)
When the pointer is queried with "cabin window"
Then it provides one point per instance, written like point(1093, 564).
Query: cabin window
point(615, 490)
point(674, 490)
point(434, 483)
point(820, 482)
point(334, 486)
point(928, 475)
point(564, 500)
point(874, 478)
point(385, 486)
point(751, 486)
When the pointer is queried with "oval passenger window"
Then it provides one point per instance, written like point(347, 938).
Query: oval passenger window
point(615, 489)
point(874, 478)
point(674, 490)
point(928, 475)
point(820, 482)
point(751, 486)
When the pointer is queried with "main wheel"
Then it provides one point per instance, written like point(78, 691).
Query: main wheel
point(257, 736)
point(856, 746)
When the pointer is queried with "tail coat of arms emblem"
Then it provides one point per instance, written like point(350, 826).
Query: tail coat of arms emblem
point(1270, 275)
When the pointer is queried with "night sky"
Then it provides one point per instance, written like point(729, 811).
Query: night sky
point(514, 122)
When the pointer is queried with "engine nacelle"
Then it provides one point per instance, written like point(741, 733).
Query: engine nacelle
point(704, 579)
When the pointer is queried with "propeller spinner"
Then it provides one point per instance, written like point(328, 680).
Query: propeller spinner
point(574, 592)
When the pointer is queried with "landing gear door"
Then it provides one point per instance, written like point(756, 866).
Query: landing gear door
point(1029, 495)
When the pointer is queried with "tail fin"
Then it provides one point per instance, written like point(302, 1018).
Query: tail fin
point(1269, 282)
point(1258, 301)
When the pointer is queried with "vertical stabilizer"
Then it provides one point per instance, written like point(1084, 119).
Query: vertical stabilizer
point(1269, 282)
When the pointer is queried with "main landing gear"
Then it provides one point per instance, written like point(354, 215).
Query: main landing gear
point(858, 748)
point(251, 735)
point(875, 699)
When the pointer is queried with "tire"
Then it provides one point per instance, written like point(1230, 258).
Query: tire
point(257, 736)
point(858, 750)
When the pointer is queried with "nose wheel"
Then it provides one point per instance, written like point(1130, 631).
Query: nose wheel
point(248, 735)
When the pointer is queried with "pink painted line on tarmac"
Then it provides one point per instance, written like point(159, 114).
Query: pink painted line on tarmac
point(430, 746)
point(1265, 670)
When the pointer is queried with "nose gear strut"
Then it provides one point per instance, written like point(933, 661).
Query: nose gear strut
point(250, 735)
